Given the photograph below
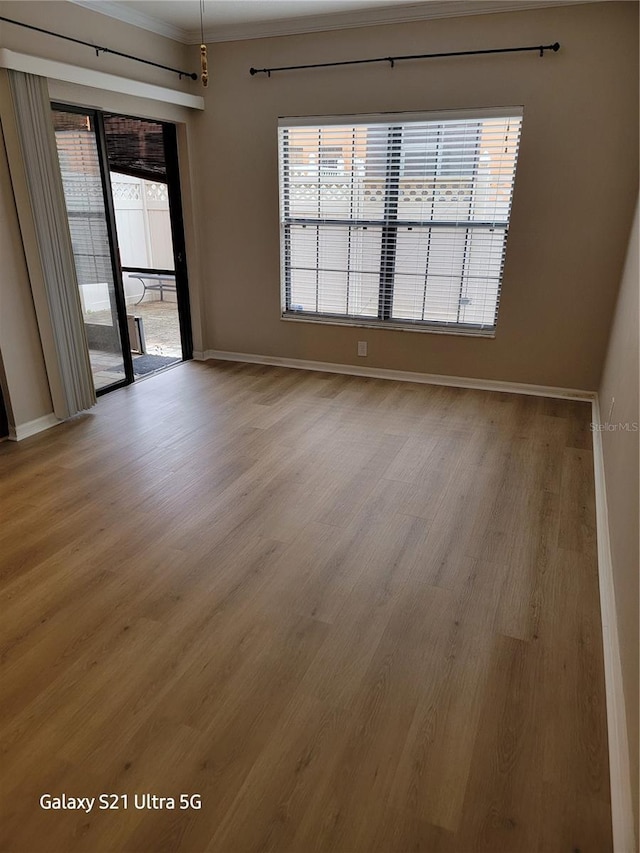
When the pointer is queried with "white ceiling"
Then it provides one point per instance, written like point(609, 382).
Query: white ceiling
point(226, 20)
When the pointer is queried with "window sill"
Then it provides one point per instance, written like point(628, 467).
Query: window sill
point(394, 327)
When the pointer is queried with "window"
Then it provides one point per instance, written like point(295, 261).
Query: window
point(397, 220)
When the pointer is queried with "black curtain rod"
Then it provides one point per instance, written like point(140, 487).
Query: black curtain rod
point(100, 50)
point(393, 59)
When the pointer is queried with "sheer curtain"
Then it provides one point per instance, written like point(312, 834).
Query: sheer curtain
point(35, 130)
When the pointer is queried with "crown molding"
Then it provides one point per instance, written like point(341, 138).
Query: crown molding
point(319, 23)
point(371, 17)
point(121, 12)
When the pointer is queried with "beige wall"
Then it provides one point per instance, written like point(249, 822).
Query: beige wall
point(574, 189)
point(573, 201)
point(620, 380)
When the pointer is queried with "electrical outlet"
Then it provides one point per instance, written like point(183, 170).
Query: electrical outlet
point(362, 347)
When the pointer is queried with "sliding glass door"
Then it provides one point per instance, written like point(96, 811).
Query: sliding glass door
point(88, 199)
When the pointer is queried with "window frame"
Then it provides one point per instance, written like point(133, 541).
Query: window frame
point(395, 165)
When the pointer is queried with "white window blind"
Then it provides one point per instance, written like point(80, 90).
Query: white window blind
point(397, 220)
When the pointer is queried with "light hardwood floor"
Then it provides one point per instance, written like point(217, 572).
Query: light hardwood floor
point(354, 615)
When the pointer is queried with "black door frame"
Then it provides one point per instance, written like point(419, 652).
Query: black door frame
point(172, 162)
point(121, 300)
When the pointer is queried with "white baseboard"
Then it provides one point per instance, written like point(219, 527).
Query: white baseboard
point(619, 768)
point(399, 375)
point(21, 431)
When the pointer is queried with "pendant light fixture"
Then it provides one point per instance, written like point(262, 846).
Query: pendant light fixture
point(204, 68)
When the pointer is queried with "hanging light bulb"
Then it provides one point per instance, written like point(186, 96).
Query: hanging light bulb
point(204, 67)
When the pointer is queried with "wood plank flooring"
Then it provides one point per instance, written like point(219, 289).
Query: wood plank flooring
point(353, 615)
